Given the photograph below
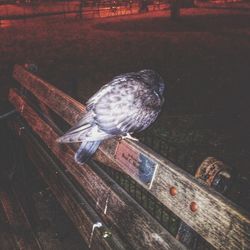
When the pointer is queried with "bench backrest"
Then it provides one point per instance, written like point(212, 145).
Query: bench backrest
point(216, 219)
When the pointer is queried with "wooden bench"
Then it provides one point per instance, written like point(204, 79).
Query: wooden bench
point(105, 215)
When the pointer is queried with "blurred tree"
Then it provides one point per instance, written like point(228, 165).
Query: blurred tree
point(143, 6)
point(81, 4)
point(175, 9)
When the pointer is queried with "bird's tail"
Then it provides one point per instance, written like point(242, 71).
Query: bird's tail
point(86, 150)
point(75, 134)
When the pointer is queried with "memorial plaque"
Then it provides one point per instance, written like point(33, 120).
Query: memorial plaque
point(134, 161)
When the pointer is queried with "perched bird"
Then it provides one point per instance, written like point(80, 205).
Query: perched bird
point(127, 104)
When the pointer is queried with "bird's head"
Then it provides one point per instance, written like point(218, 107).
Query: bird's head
point(153, 80)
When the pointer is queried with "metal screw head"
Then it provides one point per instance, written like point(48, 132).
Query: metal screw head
point(173, 191)
point(106, 234)
point(193, 206)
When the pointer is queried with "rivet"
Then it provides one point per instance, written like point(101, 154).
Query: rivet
point(20, 130)
point(106, 234)
point(193, 206)
point(173, 191)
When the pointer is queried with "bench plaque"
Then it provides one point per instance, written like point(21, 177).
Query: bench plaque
point(137, 162)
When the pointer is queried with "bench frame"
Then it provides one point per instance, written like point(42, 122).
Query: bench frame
point(219, 221)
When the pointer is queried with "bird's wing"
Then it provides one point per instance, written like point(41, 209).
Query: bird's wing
point(84, 130)
point(120, 110)
point(107, 88)
point(116, 109)
point(138, 121)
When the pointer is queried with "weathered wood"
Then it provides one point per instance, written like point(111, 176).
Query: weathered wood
point(56, 96)
point(7, 235)
point(18, 224)
point(218, 220)
point(215, 174)
point(77, 208)
point(114, 204)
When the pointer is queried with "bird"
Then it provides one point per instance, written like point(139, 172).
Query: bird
point(127, 104)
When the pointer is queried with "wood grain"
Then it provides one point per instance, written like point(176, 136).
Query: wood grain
point(126, 216)
point(218, 220)
point(211, 172)
point(78, 209)
point(18, 224)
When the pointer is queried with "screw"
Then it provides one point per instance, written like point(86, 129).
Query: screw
point(193, 206)
point(173, 191)
point(106, 234)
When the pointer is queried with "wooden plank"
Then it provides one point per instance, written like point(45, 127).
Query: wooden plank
point(217, 175)
point(8, 239)
point(219, 221)
point(78, 209)
point(18, 223)
point(112, 202)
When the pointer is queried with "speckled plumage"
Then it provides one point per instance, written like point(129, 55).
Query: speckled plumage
point(129, 103)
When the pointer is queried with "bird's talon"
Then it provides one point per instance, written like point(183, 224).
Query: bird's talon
point(128, 136)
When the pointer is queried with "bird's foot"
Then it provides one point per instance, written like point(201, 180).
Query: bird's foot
point(128, 136)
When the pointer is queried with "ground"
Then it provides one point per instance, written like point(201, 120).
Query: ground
point(204, 58)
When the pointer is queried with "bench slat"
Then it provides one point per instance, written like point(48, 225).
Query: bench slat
point(79, 211)
point(218, 220)
point(129, 218)
point(18, 225)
